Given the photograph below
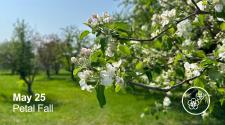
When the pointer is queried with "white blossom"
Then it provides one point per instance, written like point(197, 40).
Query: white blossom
point(96, 19)
point(106, 78)
point(110, 68)
point(166, 15)
point(144, 78)
point(85, 51)
point(108, 75)
point(83, 77)
point(96, 47)
point(164, 18)
point(204, 115)
point(166, 101)
point(119, 80)
point(201, 5)
point(169, 93)
point(184, 29)
point(84, 85)
point(218, 7)
point(117, 64)
point(142, 115)
point(110, 49)
point(220, 19)
point(189, 66)
point(85, 74)
point(106, 17)
point(215, 1)
point(73, 59)
point(222, 55)
point(144, 27)
point(153, 84)
point(154, 34)
point(196, 73)
point(187, 42)
point(191, 70)
point(155, 18)
point(200, 43)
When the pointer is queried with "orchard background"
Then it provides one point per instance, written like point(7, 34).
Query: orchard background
point(134, 65)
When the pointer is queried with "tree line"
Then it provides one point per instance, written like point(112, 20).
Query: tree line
point(27, 52)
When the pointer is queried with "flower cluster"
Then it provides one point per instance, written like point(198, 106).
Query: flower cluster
point(184, 29)
point(164, 77)
point(84, 75)
point(166, 101)
point(110, 49)
point(83, 57)
point(96, 20)
point(221, 50)
point(191, 70)
point(163, 3)
point(108, 76)
point(218, 5)
point(164, 18)
point(85, 51)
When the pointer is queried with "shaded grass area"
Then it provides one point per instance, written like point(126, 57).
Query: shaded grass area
point(73, 106)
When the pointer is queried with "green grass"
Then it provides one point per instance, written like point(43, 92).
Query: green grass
point(73, 106)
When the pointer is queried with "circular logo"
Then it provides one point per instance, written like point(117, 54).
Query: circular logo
point(195, 100)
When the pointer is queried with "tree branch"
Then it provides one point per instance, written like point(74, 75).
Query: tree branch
point(144, 86)
point(193, 1)
point(166, 29)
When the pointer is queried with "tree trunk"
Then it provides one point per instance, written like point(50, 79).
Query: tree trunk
point(72, 76)
point(48, 73)
point(56, 71)
point(29, 89)
point(57, 68)
point(13, 71)
point(68, 63)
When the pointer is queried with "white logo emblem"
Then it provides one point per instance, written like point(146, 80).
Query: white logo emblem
point(195, 100)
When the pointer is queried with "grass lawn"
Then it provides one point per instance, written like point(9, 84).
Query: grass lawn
point(73, 106)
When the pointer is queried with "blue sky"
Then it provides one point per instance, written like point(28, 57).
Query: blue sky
point(48, 16)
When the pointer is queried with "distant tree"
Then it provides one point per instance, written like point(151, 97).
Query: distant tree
point(72, 45)
point(8, 55)
point(49, 54)
point(26, 67)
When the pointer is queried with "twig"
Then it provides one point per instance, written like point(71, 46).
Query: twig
point(166, 29)
point(166, 89)
point(195, 5)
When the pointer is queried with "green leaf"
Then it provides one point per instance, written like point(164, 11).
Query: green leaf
point(76, 70)
point(201, 19)
point(172, 83)
point(84, 34)
point(199, 82)
point(148, 73)
point(139, 66)
point(117, 89)
point(221, 90)
point(206, 62)
point(95, 55)
point(122, 29)
point(222, 26)
point(97, 58)
point(103, 43)
point(157, 44)
point(222, 101)
point(215, 75)
point(199, 53)
point(120, 26)
point(100, 95)
point(178, 57)
point(124, 49)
